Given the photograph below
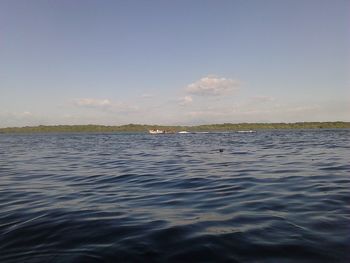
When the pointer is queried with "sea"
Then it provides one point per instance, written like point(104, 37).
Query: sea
point(264, 196)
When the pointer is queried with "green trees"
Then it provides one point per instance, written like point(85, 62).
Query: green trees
point(144, 128)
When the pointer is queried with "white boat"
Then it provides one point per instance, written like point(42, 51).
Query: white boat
point(156, 131)
point(183, 132)
point(248, 131)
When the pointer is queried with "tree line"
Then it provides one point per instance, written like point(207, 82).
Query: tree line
point(198, 128)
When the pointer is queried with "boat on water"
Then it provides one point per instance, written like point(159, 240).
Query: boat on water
point(248, 131)
point(156, 131)
point(183, 132)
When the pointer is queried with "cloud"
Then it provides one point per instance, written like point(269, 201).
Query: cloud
point(105, 106)
point(212, 86)
point(93, 103)
point(186, 100)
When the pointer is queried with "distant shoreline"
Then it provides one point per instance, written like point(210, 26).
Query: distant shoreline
point(198, 128)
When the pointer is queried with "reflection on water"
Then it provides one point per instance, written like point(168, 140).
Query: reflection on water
point(270, 196)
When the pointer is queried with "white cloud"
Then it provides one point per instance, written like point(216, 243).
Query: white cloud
point(212, 86)
point(186, 100)
point(105, 106)
point(94, 103)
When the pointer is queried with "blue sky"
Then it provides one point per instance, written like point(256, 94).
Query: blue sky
point(174, 62)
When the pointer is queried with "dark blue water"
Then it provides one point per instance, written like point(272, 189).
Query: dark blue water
point(270, 196)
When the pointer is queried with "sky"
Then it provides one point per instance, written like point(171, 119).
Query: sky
point(173, 62)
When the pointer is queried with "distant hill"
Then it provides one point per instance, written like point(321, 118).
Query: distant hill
point(145, 128)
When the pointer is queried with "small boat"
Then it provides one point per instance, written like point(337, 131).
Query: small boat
point(248, 131)
point(156, 131)
point(183, 132)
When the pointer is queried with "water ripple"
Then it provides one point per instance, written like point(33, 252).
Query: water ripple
point(271, 196)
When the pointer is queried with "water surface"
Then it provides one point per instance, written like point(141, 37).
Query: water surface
point(270, 196)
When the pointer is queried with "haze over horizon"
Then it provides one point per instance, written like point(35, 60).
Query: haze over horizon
point(173, 62)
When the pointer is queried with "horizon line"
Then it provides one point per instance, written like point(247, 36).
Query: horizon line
point(173, 125)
